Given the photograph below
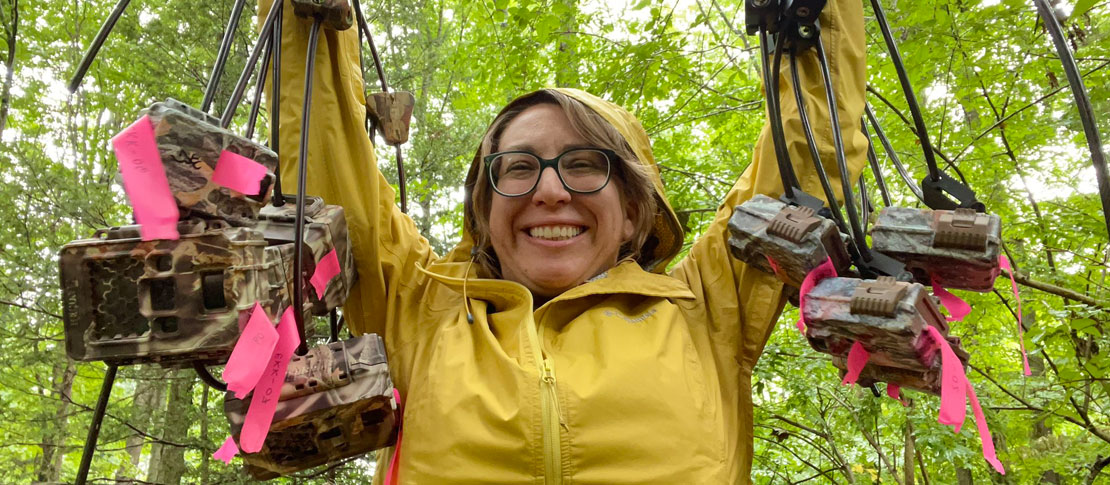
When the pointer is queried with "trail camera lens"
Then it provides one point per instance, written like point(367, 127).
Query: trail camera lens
point(162, 291)
point(212, 285)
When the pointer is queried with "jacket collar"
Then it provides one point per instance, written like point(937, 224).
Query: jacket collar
point(626, 277)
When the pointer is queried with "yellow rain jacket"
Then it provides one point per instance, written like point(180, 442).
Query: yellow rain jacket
point(638, 376)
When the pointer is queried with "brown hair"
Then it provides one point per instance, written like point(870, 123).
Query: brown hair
point(638, 191)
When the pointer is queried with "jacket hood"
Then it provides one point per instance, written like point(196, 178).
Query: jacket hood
point(665, 239)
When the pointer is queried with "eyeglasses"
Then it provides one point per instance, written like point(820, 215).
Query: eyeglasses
point(581, 170)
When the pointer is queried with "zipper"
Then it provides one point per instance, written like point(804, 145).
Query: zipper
point(552, 415)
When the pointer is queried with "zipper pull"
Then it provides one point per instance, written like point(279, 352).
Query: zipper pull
point(549, 380)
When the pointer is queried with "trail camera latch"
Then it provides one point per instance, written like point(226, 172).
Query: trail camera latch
point(961, 229)
point(391, 113)
point(333, 14)
point(958, 249)
point(786, 240)
point(878, 297)
point(793, 223)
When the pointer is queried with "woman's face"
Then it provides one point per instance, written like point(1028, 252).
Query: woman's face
point(529, 233)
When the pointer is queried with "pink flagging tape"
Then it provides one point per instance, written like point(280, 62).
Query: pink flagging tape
point(894, 390)
point(144, 181)
point(394, 462)
point(954, 393)
point(248, 358)
point(1005, 264)
point(774, 266)
point(227, 451)
point(857, 360)
point(239, 173)
point(264, 400)
point(957, 307)
point(326, 269)
point(824, 270)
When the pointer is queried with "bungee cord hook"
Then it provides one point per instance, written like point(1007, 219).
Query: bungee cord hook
point(936, 187)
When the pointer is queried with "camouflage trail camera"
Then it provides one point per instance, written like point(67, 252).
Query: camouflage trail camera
point(325, 229)
point(926, 379)
point(333, 14)
point(336, 402)
point(887, 317)
point(190, 145)
point(793, 237)
point(391, 113)
point(960, 248)
point(170, 301)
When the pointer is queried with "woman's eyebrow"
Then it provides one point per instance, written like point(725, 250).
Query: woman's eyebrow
point(519, 147)
point(526, 147)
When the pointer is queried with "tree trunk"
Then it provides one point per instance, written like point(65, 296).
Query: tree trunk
point(167, 463)
point(964, 477)
point(907, 454)
point(53, 441)
point(204, 435)
point(149, 392)
point(1036, 367)
point(566, 61)
point(12, 30)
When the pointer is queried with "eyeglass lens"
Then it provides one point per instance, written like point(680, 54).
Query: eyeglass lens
point(582, 170)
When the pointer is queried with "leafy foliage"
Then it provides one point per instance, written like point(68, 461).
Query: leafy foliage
point(995, 99)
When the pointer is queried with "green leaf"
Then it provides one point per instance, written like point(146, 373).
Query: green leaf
point(1082, 6)
point(1087, 326)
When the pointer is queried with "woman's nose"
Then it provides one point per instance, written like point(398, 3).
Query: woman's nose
point(549, 189)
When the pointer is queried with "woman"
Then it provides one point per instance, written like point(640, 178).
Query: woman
point(553, 343)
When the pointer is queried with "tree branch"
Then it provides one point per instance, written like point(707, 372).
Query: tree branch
point(1025, 280)
point(29, 308)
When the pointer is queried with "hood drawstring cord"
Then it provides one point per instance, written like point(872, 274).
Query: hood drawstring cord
point(466, 301)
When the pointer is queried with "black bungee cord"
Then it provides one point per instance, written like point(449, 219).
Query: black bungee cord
point(907, 90)
point(1082, 103)
point(770, 83)
point(248, 69)
point(803, 115)
point(278, 199)
point(893, 155)
point(94, 48)
point(267, 43)
point(873, 160)
point(841, 163)
point(97, 419)
point(256, 103)
point(221, 55)
point(364, 30)
point(302, 179)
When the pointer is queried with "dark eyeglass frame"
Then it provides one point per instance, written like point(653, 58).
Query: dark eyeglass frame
point(610, 157)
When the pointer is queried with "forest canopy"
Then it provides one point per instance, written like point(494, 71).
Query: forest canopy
point(993, 93)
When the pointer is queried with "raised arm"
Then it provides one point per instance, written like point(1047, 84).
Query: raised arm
point(342, 168)
point(743, 302)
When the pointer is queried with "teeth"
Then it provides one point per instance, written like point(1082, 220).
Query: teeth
point(555, 233)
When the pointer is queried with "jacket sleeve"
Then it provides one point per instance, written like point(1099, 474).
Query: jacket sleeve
point(342, 168)
point(742, 302)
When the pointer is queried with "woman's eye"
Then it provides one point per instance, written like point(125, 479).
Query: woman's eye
point(518, 166)
point(584, 164)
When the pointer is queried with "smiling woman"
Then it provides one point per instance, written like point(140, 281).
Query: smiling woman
point(552, 343)
point(553, 228)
